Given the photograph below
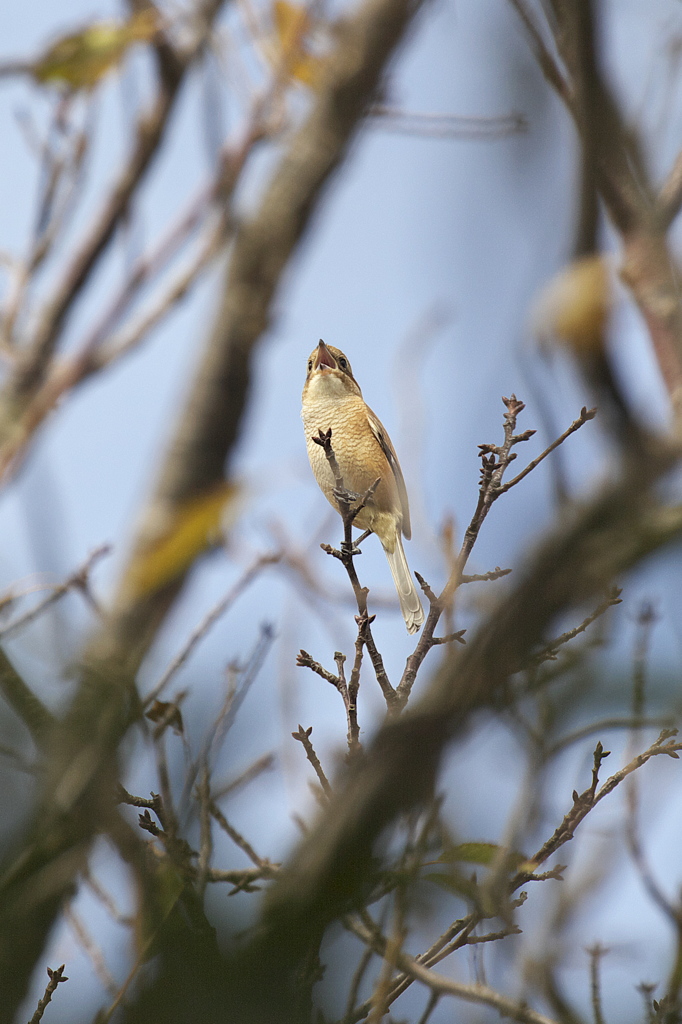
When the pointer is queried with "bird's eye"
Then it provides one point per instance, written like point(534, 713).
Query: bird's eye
point(343, 363)
point(310, 365)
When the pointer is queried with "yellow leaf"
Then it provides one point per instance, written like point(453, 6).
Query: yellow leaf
point(293, 25)
point(80, 60)
point(195, 527)
point(574, 308)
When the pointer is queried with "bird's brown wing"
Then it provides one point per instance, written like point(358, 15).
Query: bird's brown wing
point(384, 440)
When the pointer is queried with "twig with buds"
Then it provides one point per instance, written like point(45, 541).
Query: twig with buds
point(350, 505)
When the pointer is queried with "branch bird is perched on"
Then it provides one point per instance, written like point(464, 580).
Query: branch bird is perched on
point(332, 399)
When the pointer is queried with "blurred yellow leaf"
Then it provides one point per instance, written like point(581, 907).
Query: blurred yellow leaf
point(293, 25)
point(196, 526)
point(574, 308)
point(80, 60)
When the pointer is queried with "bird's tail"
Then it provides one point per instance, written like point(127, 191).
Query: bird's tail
point(410, 605)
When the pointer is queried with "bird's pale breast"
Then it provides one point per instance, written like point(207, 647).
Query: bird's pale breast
point(358, 452)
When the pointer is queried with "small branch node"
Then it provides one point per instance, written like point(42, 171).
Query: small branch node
point(450, 638)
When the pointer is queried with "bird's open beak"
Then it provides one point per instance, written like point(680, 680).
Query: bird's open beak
point(324, 357)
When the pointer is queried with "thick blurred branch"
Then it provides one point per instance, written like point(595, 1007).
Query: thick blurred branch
point(612, 162)
point(30, 709)
point(210, 424)
point(335, 863)
point(172, 65)
point(77, 803)
point(34, 360)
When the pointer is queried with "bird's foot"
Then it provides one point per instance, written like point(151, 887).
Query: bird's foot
point(345, 496)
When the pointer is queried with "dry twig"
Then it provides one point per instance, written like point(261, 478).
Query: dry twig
point(303, 736)
point(56, 976)
point(480, 994)
point(78, 580)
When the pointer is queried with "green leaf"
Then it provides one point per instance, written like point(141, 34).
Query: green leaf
point(455, 884)
point(479, 853)
point(470, 853)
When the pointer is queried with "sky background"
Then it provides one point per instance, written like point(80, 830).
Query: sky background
point(422, 265)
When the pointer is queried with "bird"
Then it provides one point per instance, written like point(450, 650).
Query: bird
point(332, 400)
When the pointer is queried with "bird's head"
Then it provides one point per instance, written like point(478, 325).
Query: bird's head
point(329, 371)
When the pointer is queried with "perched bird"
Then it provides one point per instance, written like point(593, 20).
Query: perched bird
point(332, 399)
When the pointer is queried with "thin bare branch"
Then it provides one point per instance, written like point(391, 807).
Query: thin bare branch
point(208, 621)
point(495, 460)
point(446, 126)
point(168, 296)
point(241, 878)
point(91, 950)
point(584, 802)
point(304, 660)
point(480, 994)
point(55, 976)
point(78, 580)
point(494, 574)
point(549, 651)
point(548, 63)
point(149, 133)
point(603, 725)
point(303, 736)
point(595, 953)
point(263, 764)
point(584, 417)
point(431, 1005)
point(348, 691)
point(106, 900)
point(267, 869)
point(356, 982)
point(206, 837)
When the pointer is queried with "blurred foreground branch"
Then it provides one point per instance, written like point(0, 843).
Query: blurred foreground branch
point(76, 803)
point(577, 561)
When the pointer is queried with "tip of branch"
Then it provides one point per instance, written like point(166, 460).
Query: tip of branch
point(514, 406)
point(322, 437)
point(525, 436)
point(425, 587)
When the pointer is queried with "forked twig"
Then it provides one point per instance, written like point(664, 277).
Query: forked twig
point(303, 736)
point(78, 580)
point(585, 416)
point(495, 461)
point(348, 690)
point(349, 507)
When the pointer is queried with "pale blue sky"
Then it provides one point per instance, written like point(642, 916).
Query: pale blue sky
point(410, 225)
